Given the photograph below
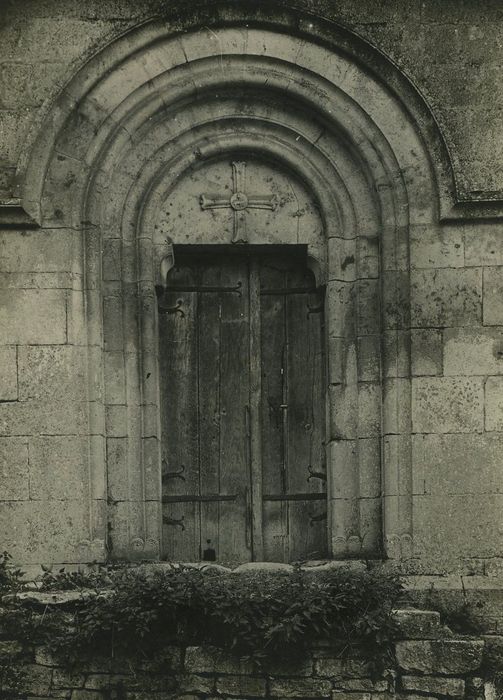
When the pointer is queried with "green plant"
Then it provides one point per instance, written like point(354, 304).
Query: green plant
point(95, 576)
point(10, 576)
point(255, 615)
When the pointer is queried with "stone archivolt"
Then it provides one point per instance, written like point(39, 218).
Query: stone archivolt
point(159, 111)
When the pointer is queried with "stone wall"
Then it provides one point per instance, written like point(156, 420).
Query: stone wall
point(430, 662)
point(451, 51)
point(452, 273)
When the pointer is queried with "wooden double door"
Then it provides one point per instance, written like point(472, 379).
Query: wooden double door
point(242, 409)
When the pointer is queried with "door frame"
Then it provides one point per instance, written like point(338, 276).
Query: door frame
point(254, 253)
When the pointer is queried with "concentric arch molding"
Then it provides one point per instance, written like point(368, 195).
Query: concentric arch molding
point(206, 22)
point(160, 104)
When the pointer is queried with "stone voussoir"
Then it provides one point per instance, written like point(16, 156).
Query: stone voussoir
point(449, 657)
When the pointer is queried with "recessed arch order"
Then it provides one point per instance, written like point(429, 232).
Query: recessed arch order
point(165, 100)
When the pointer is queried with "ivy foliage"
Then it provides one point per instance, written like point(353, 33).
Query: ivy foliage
point(256, 615)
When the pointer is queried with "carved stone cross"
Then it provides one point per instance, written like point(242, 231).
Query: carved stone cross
point(239, 202)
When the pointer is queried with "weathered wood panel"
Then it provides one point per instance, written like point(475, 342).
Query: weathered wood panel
point(179, 416)
point(242, 382)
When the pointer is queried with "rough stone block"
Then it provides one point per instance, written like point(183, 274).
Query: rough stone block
point(33, 417)
point(33, 316)
point(369, 358)
point(436, 246)
point(473, 351)
point(35, 680)
point(369, 409)
point(8, 373)
point(368, 304)
point(396, 292)
point(461, 526)
point(43, 657)
point(115, 389)
point(369, 456)
point(395, 354)
point(192, 683)
point(335, 667)
point(14, 475)
point(452, 687)
point(365, 685)
point(98, 681)
point(209, 660)
point(483, 244)
point(243, 686)
point(417, 624)
point(396, 406)
point(343, 402)
point(447, 405)
point(426, 352)
point(442, 462)
point(63, 678)
point(341, 360)
point(51, 372)
point(446, 297)
point(341, 298)
point(452, 656)
point(36, 531)
point(494, 403)
point(58, 467)
point(10, 649)
point(289, 668)
point(493, 296)
point(300, 688)
point(116, 421)
point(80, 694)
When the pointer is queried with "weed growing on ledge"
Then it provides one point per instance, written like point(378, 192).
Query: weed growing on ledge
point(260, 616)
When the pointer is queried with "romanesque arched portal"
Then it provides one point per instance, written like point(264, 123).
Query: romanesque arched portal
point(227, 133)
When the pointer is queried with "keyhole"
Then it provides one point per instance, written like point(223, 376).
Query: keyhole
point(209, 553)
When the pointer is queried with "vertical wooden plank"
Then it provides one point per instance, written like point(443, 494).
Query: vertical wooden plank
point(209, 355)
point(255, 369)
point(307, 529)
point(234, 537)
point(179, 417)
point(273, 418)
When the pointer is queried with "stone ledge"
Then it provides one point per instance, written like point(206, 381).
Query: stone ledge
point(54, 598)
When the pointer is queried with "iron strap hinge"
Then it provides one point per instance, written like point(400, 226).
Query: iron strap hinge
point(198, 499)
point(295, 497)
